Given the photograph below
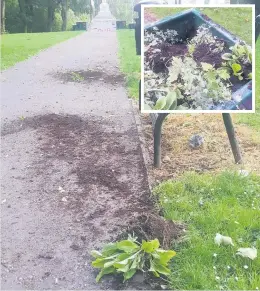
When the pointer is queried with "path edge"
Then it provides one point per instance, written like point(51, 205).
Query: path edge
point(140, 131)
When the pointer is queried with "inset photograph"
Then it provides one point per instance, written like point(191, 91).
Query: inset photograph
point(198, 59)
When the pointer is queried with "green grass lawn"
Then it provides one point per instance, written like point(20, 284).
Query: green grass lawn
point(19, 47)
point(253, 119)
point(129, 62)
point(207, 204)
point(227, 17)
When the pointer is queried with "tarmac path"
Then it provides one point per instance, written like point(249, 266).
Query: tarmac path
point(73, 176)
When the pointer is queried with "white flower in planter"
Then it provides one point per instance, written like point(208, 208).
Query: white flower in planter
point(250, 253)
point(221, 239)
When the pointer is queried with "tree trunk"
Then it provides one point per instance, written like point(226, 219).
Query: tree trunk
point(51, 10)
point(26, 14)
point(2, 16)
point(22, 13)
point(29, 14)
point(64, 14)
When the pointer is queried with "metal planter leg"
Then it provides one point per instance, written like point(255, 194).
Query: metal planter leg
point(157, 134)
point(232, 137)
point(140, 95)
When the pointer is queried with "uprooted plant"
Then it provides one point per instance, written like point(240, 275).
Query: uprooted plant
point(192, 74)
point(128, 256)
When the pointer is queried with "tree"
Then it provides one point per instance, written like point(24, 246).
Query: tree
point(64, 14)
point(43, 15)
point(96, 5)
point(52, 6)
point(80, 6)
point(26, 14)
point(2, 16)
point(122, 10)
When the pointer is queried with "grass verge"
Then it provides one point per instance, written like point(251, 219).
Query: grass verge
point(207, 204)
point(227, 17)
point(129, 62)
point(253, 120)
point(19, 47)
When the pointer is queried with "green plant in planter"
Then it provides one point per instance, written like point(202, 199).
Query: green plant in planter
point(241, 54)
point(237, 71)
point(129, 256)
point(249, 77)
point(169, 102)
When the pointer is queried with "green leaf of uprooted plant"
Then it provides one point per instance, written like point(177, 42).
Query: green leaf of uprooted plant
point(129, 256)
point(127, 246)
point(105, 271)
point(156, 267)
point(164, 256)
point(150, 246)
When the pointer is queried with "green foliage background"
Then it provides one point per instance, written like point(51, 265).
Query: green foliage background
point(78, 10)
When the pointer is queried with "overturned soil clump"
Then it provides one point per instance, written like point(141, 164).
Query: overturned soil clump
point(151, 226)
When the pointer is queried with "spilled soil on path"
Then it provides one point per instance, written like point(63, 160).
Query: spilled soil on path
point(88, 76)
point(94, 175)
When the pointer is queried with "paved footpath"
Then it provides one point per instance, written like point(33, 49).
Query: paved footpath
point(72, 171)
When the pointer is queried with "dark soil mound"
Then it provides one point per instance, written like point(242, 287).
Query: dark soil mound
point(159, 62)
point(149, 226)
point(204, 53)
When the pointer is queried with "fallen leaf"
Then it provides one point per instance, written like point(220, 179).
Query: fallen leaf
point(243, 173)
point(166, 159)
point(250, 253)
point(221, 239)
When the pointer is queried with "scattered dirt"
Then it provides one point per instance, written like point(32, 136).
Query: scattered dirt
point(71, 183)
point(89, 76)
point(214, 156)
point(99, 190)
point(85, 144)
